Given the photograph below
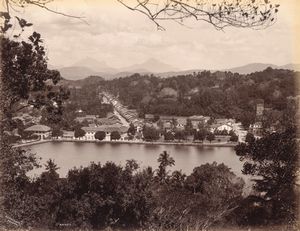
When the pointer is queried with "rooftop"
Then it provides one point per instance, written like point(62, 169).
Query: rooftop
point(106, 128)
point(38, 128)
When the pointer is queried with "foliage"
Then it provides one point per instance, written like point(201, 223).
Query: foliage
point(126, 197)
point(78, 133)
point(272, 161)
point(189, 127)
point(168, 136)
point(26, 81)
point(115, 135)
point(15, 164)
point(150, 133)
point(131, 129)
point(100, 135)
point(210, 136)
point(217, 94)
point(206, 196)
point(249, 138)
point(56, 132)
point(234, 138)
point(164, 160)
point(201, 133)
point(180, 135)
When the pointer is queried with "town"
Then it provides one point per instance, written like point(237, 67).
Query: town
point(124, 125)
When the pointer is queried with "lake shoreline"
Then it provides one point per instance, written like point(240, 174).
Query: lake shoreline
point(129, 142)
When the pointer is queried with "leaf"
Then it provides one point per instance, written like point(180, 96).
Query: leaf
point(5, 15)
point(6, 27)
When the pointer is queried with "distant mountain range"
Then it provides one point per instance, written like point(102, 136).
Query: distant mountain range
point(91, 67)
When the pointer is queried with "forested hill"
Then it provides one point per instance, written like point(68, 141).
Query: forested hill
point(218, 94)
point(91, 80)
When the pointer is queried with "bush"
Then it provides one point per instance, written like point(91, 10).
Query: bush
point(115, 135)
point(150, 133)
point(100, 135)
point(79, 132)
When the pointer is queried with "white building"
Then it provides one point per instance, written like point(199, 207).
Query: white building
point(108, 129)
point(42, 131)
point(221, 127)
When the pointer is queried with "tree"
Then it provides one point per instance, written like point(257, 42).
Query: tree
point(249, 138)
point(247, 118)
point(189, 127)
point(219, 187)
point(150, 133)
point(131, 129)
point(15, 164)
point(26, 80)
point(202, 132)
point(160, 124)
point(51, 172)
point(156, 118)
point(100, 135)
point(236, 13)
point(56, 132)
point(115, 135)
point(210, 137)
point(272, 162)
point(179, 135)
point(131, 165)
point(174, 123)
point(177, 179)
point(234, 137)
point(168, 136)
point(79, 133)
point(200, 135)
point(164, 161)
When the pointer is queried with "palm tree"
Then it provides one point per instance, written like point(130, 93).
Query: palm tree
point(51, 167)
point(164, 161)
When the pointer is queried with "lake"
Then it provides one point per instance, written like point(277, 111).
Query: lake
point(68, 155)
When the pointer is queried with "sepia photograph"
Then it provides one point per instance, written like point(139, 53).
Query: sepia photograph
point(149, 115)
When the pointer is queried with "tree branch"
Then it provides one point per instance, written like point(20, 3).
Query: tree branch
point(254, 14)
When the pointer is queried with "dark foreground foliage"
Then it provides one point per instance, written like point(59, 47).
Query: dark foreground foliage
point(111, 195)
point(272, 162)
point(99, 196)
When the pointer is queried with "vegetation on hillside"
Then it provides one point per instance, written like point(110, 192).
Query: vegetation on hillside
point(218, 94)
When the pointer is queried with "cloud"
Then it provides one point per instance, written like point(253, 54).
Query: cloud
point(121, 38)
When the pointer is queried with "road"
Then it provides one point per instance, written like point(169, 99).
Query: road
point(115, 104)
point(121, 118)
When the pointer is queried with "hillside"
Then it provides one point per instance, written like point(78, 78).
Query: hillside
point(88, 67)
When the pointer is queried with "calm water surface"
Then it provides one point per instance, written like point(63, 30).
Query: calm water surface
point(68, 155)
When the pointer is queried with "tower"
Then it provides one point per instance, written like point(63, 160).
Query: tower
point(259, 110)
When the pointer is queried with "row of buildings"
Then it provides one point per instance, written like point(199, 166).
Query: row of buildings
point(169, 123)
point(110, 119)
point(129, 115)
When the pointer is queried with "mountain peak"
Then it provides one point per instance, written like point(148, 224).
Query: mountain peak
point(150, 65)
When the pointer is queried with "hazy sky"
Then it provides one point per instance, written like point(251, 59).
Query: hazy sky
point(121, 37)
